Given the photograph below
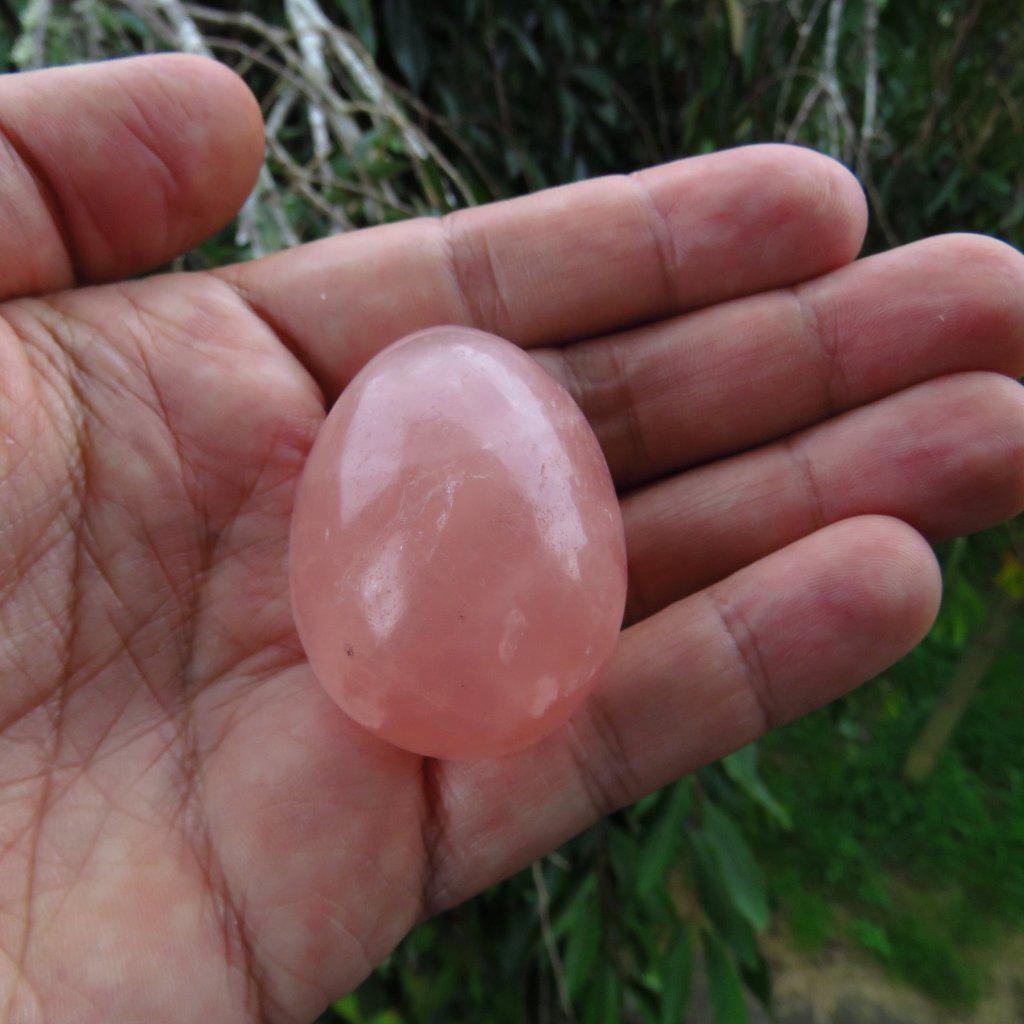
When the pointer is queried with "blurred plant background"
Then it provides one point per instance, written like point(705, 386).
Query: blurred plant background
point(883, 836)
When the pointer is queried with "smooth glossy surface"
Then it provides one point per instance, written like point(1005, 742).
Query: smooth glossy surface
point(457, 556)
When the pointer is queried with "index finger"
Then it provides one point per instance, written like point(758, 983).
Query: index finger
point(568, 262)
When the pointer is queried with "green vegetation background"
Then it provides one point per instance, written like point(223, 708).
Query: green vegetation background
point(424, 107)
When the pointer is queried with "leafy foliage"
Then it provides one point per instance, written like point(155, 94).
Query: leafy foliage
point(931, 875)
point(625, 915)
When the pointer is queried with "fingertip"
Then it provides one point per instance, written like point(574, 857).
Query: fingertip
point(774, 215)
point(209, 128)
point(817, 195)
point(962, 467)
point(228, 104)
point(844, 200)
point(845, 603)
point(984, 292)
point(887, 583)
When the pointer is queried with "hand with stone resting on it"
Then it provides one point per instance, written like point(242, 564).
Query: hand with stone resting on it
point(191, 830)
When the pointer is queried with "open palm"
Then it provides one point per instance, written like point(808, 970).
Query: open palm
point(190, 830)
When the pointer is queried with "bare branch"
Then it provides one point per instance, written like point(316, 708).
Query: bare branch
point(804, 29)
point(867, 129)
point(829, 73)
point(189, 36)
point(548, 935)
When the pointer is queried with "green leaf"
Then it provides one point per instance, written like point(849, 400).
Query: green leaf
point(872, 937)
point(724, 985)
point(597, 80)
point(740, 873)
point(741, 767)
point(718, 904)
point(624, 856)
point(737, 15)
point(1010, 578)
point(407, 41)
point(677, 975)
point(646, 804)
point(604, 998)
point(758, 980)
point(359, 15)
point(524, 42)
point(662, 846)
point(347, 1009)
point(565, 919)
point(943, 195)
point(582, 947)
point(563, 31)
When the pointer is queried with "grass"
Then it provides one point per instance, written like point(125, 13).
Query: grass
point(928, 879)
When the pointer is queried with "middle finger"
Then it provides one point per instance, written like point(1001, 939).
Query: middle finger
point(718, 381)
point(946, 456)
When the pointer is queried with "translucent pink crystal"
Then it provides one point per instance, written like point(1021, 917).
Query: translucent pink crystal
point(458, 566)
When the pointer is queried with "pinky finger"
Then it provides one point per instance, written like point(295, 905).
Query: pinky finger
point(692, 683)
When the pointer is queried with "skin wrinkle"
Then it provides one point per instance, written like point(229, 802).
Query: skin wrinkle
point(102, 250)
point(227, 911)
point(66, 891)
point(142, 337)
point(249, 303)
point(826, 343)
point(367, 943)
point(227, 908)
point(83, 679)
point(623, 391)
point(78, 770)
point(50, 371)
point(43, 184)
point(79, 481)
point(39, 547)
point(610, 388)
point(172, 329)
point(213, 536)
point(450, 265)
point(132, 366)
point(661, 236)
point(232, 709)
point(124, 645)
point(748, 654)
point(794, 447)
point(22, 209)
point(433, 833)
point(600, 758)
point(46, 784)
point(290, 970)
point(231, 920)
point(170, 186)
point(33, 637)
point(21, 463)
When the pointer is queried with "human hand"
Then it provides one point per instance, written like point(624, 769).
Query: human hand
point(191, 830)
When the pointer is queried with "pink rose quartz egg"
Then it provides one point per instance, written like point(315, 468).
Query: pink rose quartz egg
point(458, 566)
